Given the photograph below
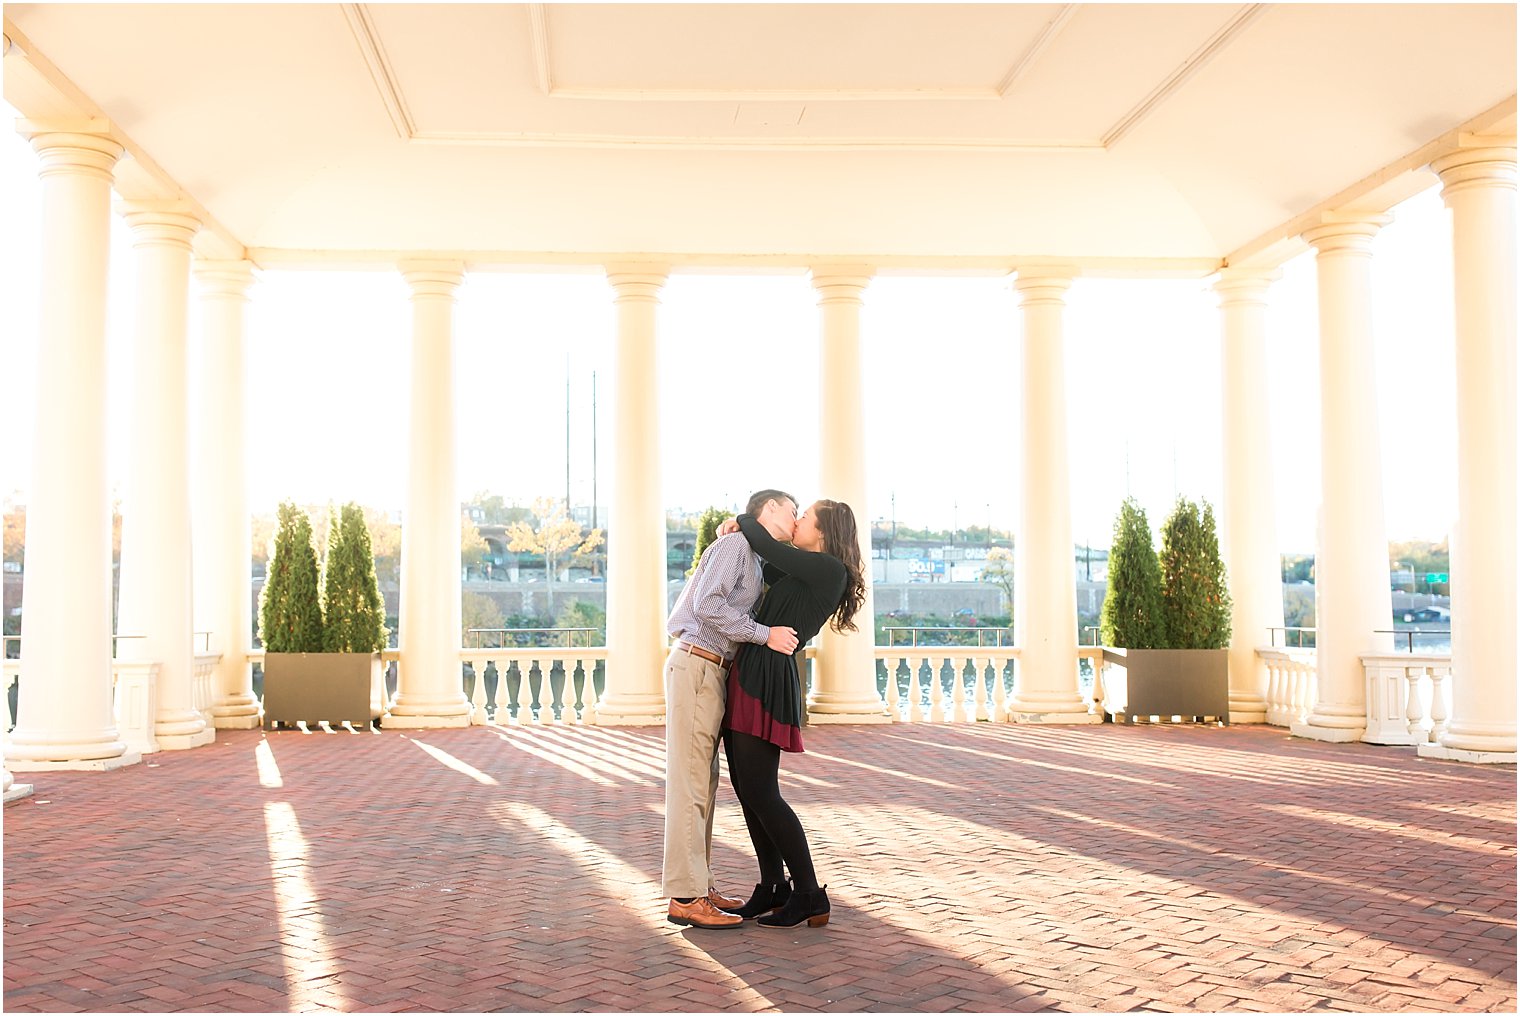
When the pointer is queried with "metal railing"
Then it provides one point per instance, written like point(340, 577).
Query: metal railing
point(1411, 634)
point(1298, 644)
point(575, 638)
point(912, 641)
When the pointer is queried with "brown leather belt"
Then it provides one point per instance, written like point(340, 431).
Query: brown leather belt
point(712, 657)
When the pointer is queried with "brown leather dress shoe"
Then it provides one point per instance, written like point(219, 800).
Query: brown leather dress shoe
point(722, 902)
point(700, 913)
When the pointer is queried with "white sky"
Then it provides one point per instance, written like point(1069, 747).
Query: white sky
point(327, 362)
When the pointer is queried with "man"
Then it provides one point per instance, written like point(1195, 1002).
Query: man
point(711, 618)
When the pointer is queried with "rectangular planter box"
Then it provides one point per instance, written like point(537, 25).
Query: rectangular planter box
point(320, 686)
point(1166, 683)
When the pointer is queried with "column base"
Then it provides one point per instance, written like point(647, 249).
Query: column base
point(635, 710)
point(17, 792)
point(1016, 715)
point(250, 722)
point(235, 707)
point(1248, 709)
point(1247, 716)
point(1440, 751)
point(1334, 735)
point(422, 721)
point(180, 742)
point(94, 765)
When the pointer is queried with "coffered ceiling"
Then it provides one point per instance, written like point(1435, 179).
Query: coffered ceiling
point(1129, 136)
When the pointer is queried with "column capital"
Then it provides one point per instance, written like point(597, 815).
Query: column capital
point(72, 146)
point(1244, 285)
point(1346, 232)
point(160, 223)
point(637, 281)
point(1477, 161)
point(1043, 284)
point(223, 278)
point(432, 278)
point(841, 283)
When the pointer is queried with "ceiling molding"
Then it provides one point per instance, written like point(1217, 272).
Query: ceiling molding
point(380, 70)
point(492, 139)
point(737, 264)
point(619, 93)
point(1037, 48)
point(543, 71)
point(1192, 65)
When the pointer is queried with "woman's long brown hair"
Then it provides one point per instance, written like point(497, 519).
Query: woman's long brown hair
point(836, 521)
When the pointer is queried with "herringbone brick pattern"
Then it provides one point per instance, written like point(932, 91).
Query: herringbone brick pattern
point(972, 868)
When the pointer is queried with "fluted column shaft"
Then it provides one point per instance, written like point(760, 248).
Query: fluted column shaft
point(1249, 535)
point(1045, 578)
point(844, 688)
point(65, 714)
point(219, 491)
point(1480, 191)
point(156, 603)
point(430, 691)
point(1352, 594)
point(636, 638)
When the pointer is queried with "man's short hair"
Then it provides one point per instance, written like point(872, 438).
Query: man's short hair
point(758, 498)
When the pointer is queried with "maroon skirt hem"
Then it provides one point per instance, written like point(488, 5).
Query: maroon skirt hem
point(745, 714)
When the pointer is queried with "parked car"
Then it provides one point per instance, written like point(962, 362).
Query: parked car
point(1427, 614)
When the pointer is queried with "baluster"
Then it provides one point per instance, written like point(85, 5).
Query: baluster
point(500, 702)
point(1274, 693)
point(1414, 712)
point(958, 712)
point(478, 715)
point(936, 692)
point(999, 693)
point(545, 714)
point(915, 690)
point(1438, 676)
point(588, 691)
point(980, 665)
point(5, 702)
point(514, 719)
point(893, 696)
point(568, 713)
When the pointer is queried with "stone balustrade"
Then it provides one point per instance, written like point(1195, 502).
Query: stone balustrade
point(1408, 697)
point(1291, 684)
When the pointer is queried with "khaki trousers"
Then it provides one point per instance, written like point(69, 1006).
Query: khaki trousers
point(695, 693)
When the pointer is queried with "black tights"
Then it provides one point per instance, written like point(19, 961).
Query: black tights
point(753, 763)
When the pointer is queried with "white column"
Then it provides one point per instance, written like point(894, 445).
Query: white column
point(1480, 191)
point(1249, 525)
point(844, 688)
point(1045, 577)
point(155, 592)
point(430, 689)
point(1352, 595)
point(636, 639)
point(219, 493)
point(64, 716)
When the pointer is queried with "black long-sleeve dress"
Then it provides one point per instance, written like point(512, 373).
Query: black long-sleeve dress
point(764, 689)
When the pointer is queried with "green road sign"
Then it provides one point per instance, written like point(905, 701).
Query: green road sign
point(1437, 577)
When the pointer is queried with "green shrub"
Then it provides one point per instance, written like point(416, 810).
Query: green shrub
point(290, 608)
point(1132, 606)
point(1194, 591)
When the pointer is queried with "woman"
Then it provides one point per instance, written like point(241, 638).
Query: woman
point(814, 581)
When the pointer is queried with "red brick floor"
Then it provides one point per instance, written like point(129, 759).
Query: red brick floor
point(972, 868)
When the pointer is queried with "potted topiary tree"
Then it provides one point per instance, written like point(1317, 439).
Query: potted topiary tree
point(707, 531)
point(353, 609)
point(1166, 621)
point(303, 680)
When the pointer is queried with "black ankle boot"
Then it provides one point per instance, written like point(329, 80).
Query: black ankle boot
point(810, 905)
point(763, 900)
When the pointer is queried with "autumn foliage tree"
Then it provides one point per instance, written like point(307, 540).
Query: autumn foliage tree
point(556, 536)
